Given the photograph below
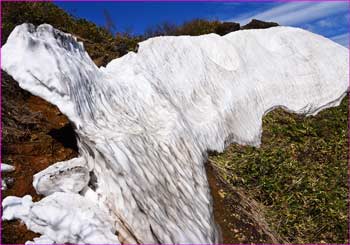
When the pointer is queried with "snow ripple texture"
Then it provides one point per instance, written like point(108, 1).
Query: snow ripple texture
point(146, 121)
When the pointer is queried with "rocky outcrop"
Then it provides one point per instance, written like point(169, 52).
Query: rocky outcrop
point(227, 27)
point(258, 24)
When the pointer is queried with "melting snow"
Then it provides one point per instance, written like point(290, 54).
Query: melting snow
point(7, 168)
point(145, 122)
point(62, 217)
point(67, 176)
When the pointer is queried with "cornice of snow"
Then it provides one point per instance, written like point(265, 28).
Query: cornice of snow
point(146, 121)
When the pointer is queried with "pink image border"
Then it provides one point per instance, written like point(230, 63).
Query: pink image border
point(348, 235)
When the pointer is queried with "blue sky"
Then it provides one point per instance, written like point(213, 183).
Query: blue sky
point(329, 19)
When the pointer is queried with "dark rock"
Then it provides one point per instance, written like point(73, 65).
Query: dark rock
point(227, 27)
point(258, 24)
point(9, 182)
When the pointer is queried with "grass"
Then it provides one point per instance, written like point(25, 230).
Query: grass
point(299, 174)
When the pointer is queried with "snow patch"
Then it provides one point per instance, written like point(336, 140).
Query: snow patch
point(66, 176)
point(41, 240)
point(63, 218)
point(146, 121)
point(7, 168)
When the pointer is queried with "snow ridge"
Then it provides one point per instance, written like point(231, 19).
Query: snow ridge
point(146, 121)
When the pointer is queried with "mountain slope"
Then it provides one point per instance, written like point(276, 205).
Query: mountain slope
point(298, 176)
point(210, 92)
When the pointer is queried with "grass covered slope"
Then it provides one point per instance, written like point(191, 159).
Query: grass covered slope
point(299, 174)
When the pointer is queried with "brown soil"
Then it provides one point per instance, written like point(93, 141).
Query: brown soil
point(29, 145)
point(239, 218)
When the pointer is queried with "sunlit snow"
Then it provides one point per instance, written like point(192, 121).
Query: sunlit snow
point(146, 121)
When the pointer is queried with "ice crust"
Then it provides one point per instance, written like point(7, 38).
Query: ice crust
point(67, 176)
point(146, 121)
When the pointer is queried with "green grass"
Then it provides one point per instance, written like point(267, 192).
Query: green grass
point(299, 174)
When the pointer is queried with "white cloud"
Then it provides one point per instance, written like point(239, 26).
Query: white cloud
point(326, 23)
point(330, 25)
point(325, 18)
point(295, 13)
point(342, 39)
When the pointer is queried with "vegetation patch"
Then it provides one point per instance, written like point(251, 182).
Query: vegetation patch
point(299, 174)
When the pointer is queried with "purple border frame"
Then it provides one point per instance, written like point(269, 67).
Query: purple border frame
point(175, 1)
point(348, 157)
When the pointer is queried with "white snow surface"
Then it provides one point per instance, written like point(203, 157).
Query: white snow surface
point(146, 121)
point(62, 217)
point(41, 240)
point(7, 168)
point(67, 176)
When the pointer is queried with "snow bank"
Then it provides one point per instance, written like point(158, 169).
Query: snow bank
point(63, 218)
point(146, 121)
point(67, 176)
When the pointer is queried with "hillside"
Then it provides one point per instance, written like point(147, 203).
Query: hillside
point(298, 175)
point(36, 134)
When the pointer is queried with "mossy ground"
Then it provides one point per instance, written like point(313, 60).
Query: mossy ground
point(299, 174)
